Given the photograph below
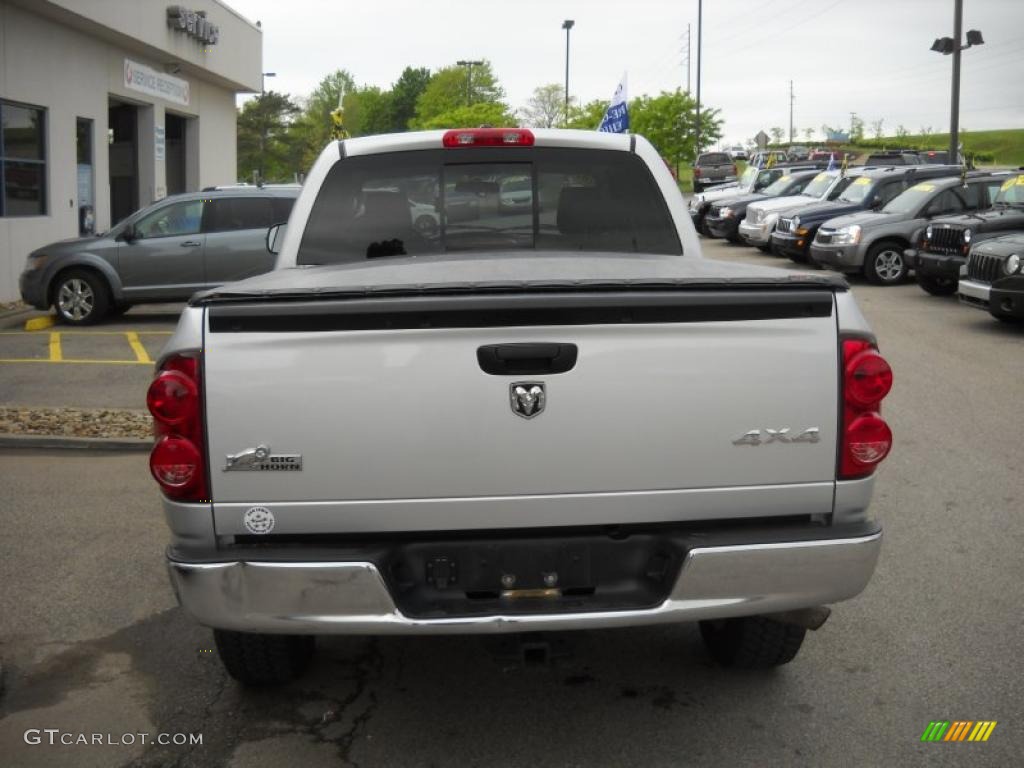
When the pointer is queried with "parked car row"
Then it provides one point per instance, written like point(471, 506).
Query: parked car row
point(945, 224)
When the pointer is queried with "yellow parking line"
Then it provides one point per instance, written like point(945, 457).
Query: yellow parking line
point(55, 351)
point(61, 361)
point(137, 348)
point(39, 323)
point(89, 333)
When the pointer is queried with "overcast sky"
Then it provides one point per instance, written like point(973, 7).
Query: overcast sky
point(871, 57)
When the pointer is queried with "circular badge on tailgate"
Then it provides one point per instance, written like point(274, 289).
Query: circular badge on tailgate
point(258, 520)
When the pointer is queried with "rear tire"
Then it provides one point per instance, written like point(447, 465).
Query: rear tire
point(262, 660)
point(885, 264)
point(937, 286)
point(752, 642)
point(81, 297)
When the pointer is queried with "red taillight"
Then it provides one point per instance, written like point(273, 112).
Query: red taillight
point(868, 379)
point(176, 464)
point(696, 172)
point(488, 137)
point(734, 171)
point(178, 459)
point(866, 438)
point(172, 398)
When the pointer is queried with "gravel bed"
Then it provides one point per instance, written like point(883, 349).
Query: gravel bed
point(76, 422)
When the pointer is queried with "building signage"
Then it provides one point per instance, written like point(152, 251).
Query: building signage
point(159, 141)
point(147, 80)
point(193, 24)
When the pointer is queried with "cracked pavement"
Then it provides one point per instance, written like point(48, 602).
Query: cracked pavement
point(91, 639)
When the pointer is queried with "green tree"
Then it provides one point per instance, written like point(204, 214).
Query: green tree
point(481, 113)
point(262, 132)
point(405, 92)
point(808, 135)
point(856, 128)
point(368, 111)
point(777, 134)
point(310, 132)
point(877, 127)
point(546, 108)
point(451, 87)
point(667, 121)
point(587, 116)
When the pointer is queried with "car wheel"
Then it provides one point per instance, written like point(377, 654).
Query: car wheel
point(119, 309)
point(81, 297)
point(256, 660)
point(799, 258)
point(752, 642)
point(764, 248)
point(885, 264)
point(426, 226)
point(937, 286)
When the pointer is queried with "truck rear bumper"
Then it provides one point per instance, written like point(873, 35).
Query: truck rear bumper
point(352, 597)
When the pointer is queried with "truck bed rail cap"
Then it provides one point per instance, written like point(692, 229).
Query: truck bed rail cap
point(490, 272)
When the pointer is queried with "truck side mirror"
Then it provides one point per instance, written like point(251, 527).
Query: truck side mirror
point(128, 234)
point(275, 237)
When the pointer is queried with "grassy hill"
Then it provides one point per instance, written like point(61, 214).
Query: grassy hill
point(1003, 147)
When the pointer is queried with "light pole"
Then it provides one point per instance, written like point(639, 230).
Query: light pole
point(696, 130)
point(469, 77)
point(952, 45)
point(567, 25)
point(263, 122)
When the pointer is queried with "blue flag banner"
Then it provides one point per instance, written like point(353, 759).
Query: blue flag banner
point(616, 119)
point(831, 162)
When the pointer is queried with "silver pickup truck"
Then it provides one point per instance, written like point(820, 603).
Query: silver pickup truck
point(542, 414)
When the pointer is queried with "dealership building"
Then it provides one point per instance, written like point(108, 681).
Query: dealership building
point(108, 105)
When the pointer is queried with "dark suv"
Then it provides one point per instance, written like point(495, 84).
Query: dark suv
point(164, 252)
point(724, 217)
point(945, 243)
point(871, 190)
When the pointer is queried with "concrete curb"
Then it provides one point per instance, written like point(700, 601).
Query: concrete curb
point(75, 443)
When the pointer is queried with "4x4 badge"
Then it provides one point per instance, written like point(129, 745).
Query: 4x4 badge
point(527, 398)
point(260, 459)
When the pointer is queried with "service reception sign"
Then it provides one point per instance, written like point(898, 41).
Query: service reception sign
point(147, 80)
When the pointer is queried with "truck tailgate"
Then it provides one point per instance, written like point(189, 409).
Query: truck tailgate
point(400, 429)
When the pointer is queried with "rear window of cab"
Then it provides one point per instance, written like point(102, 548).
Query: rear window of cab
point(489, 199)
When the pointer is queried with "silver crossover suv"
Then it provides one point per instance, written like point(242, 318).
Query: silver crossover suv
point(165, 252)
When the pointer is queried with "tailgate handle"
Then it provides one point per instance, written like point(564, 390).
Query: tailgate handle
point(526, 359)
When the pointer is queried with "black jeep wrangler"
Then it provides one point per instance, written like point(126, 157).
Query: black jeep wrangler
point(944, 244)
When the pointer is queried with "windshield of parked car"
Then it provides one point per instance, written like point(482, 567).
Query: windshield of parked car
point(484, 199)
point(858, 191)
point(781, 186)
point(1011, 192)
point(910, 200)
point(748, 176)
point(819, 185)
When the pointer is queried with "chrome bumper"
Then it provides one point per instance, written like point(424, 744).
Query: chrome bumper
point(758, 234)
point(973, 293)
point(352, 597)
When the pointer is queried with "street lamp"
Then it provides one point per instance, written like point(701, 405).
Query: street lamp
point(469, 77)
point(263, 81)
point(567, 25)
point(952, 45)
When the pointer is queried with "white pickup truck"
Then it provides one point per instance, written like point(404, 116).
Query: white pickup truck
point(547, 413)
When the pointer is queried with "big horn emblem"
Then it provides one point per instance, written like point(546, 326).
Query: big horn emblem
point(527, 398)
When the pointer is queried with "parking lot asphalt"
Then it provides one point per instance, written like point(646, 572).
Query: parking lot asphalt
point(108, 365)
point(91, 639)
